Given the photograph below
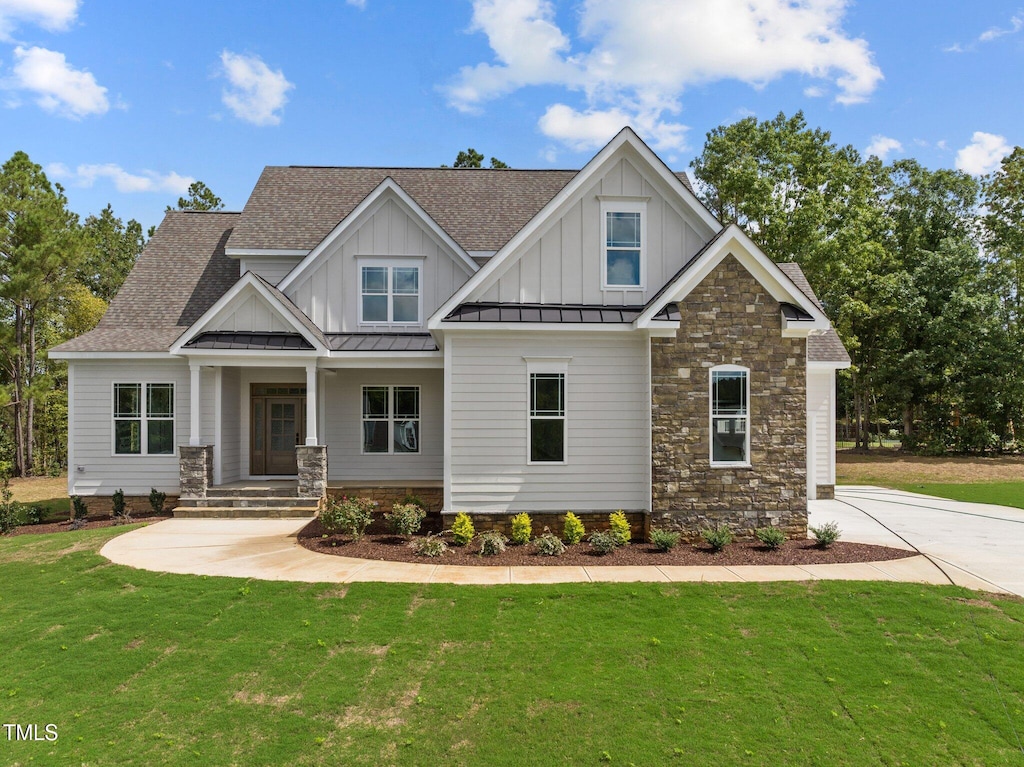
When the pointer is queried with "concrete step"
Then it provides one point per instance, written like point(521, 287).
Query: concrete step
point(236, 512)
point(252, 501)
point(285, 490)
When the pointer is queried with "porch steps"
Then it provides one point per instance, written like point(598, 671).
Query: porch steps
point(248, 502)
point(239, 512)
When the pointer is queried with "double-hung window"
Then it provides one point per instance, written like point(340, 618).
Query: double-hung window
point(389, 294)
point(623, 235)
point(143, 419)
point(730, 415)
point(547, 419)
point(391, 419)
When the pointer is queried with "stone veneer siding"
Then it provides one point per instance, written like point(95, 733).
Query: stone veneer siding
point(825, 492)
point(386, 497)
point(729, 319)
point(311, 462)
point(136, 504)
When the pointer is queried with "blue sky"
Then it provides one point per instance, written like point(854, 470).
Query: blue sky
point(127, 102)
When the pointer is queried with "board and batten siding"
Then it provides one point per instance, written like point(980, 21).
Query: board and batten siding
point(344, 419)
point(329, 294)
point(607, 411)
point(821, 440)
point(562, 263)
point(271, 268)
point(96, 470)
point(251, 313)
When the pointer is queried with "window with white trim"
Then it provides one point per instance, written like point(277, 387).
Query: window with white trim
point(144, 419)
point(730, 415)
point(623, 232)
point(390, 293)
point(546, 420)
point(391, 419)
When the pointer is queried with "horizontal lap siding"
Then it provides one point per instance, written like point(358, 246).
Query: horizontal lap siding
point(820, 425)
point(231, 431)
point(607, 410)
point(92, 428)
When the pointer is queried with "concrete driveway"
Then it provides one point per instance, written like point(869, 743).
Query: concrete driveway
point(970, 541)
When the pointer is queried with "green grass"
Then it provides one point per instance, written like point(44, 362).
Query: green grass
point(1000, 493)
point(139, 668)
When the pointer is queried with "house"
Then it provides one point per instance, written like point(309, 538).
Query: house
point(493, 341)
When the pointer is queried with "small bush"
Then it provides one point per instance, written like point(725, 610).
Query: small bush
point(350, 515)
point(413, 500)
point(405, 518)
point(119, 509)
point(9, 508)
point(604, 541)
point(33, 515)
point(664, 540)
point(573, 531)
point(431, 546)
point(827, 534)
point(717, 537)
point(462, 529)
point(619, 526)
point(157, 500)
point(549, 545)
point(79, 512)
point(771, 537)
point(522, 528)
point(492, 543)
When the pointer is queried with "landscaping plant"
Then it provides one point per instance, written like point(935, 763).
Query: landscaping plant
point(619, 526)
point(431, 546)
point(522, 528)
point(350, 515)
point(771, 537)
point(664, 540)
point(405, 518)
point(157, 500)
point(826, 534)
point(717, 537)
point(604, 541)
point(79, 512)
point(119, 509)
point(492, 543)
point(462, 529)
point(549, 545)
point(573, 531)
point(9, 508)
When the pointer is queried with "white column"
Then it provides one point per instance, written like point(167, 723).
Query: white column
point(311, 403)
point(193, 436)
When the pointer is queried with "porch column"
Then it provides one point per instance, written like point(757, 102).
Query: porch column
point(193, 436)
point(311, 404)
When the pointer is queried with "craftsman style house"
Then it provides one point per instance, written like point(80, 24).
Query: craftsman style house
point(493, 341)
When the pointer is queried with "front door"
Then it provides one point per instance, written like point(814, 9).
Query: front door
point(278, 425)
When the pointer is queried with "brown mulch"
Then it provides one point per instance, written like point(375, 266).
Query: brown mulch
point(91, 523)
point(383, 546)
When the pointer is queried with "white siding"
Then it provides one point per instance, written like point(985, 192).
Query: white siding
point(92, 428)
point(561, 264)
point(249, 312)
point(344, 418)
point(329, 294)
point(271, 268)
point(231, 425)
point(820, 429)
point(607, 412)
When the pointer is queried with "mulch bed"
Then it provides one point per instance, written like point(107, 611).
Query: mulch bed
point(383, 546)
point(91, 523)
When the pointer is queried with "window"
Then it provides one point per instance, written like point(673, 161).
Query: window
point(547, 417)
point(623, 238)
point(390, 294)
point(143, 419)
point(391, 419)
point(730, 415)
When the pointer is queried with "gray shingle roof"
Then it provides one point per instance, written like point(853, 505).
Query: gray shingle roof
point(181, 274)
point(821, 347)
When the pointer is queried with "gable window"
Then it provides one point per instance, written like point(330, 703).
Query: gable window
point(623, 235)
point(391, 419)
point(546, 437)
point(143, 419)
point(390, 294)
point(730, 416)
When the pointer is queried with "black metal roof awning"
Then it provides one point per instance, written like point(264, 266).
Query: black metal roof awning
point(250, 341)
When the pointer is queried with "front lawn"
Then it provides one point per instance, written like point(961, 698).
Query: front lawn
point(139, 668)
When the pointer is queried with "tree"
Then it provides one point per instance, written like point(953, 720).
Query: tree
point(471, 158)
point(200, 197)
point(1003, 196)
point(112, 249)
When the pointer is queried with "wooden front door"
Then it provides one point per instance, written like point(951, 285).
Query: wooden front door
point(278, 425)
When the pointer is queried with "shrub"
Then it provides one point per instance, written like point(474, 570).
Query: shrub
point(604, 541)
point(619, 526)
point(33, 515)
point(405, 518)
point(431, 546)
point(9, 508)
point(573, 531)
point(157, 500)
point(350, 515)
point(521, 528)
point(549, 545)
point(119, 509)
point(462, 529)
point(79, 512)
point(492, 543)
point(827, 534)
point(717, 537)
point(664, 540)
point(772, 537)
point(413, 500)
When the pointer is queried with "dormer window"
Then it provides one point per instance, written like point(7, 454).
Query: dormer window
point(389, 293)
point(623, 235)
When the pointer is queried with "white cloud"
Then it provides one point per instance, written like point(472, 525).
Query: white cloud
point(983, 154)
point(881, 146)
point(58, 87)
point(257, 94)
point(992, 33)
point(360, 4)
point(52, 15)
point(814, 92)
point(125, 182)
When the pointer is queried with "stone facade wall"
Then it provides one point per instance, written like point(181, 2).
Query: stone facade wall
point(136, 504)
point(729, 319)
point(825, 492)
point(432, 497)
point(312, 470)
point(555, 522)
point(195, 470)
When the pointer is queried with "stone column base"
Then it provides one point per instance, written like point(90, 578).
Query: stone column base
point(195, 470)
point(312, 463)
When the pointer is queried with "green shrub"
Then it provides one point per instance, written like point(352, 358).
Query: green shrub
point(549, 545)
point(9, 508)
point(827, 534)
point(664, 540)
point(33, 515)
point(521, 528)
point(405, 518)
point(157, 500)
point(462, 529)
point(119, 509)
point(413, 500)
point(79, 512)
point(349, 515)
point(604, 541)
point(431, 546)
point(717, 537)
point(573, 531)
point(771, 537)
point(492, 543)
point(619, 526)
